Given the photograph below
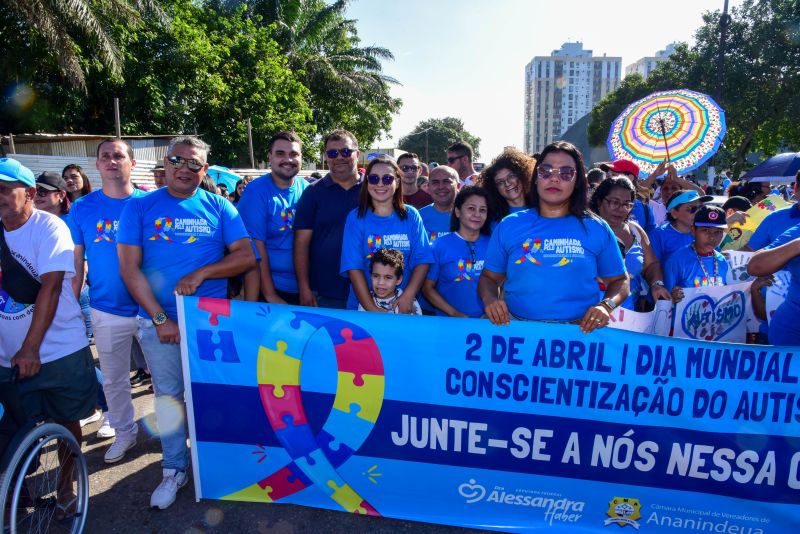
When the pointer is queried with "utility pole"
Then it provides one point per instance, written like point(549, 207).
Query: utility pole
point(425, 131)
point(250, 144)
point(724, 21)
point(117, 125)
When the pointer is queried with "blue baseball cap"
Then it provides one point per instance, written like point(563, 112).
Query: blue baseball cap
point(12, 170)
point(686, 197)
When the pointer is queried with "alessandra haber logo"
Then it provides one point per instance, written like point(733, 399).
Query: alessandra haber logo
point(623, 511)
point(472, 491)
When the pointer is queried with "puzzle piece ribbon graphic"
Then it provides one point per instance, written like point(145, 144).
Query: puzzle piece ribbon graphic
point(358, 401)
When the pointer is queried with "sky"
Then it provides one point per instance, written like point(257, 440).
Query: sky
point(466, 58)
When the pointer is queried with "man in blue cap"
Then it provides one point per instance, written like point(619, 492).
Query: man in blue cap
point(43, 333)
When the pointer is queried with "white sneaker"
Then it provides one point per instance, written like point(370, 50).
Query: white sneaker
point(117, 450)
point(92, 418)
point(165, 493)
point(105, 431)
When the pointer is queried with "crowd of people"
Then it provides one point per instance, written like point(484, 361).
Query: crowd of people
point(530, 238)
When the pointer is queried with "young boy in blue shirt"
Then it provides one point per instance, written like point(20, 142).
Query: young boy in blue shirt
point(699, 264)
point(386, 272)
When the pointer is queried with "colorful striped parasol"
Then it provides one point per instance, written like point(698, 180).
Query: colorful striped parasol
point(683, 127)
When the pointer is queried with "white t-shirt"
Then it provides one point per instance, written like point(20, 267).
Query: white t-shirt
point(42, 245)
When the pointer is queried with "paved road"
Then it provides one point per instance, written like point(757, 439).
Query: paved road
point(120, 498)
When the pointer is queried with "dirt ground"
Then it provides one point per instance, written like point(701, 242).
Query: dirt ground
point(120, 497)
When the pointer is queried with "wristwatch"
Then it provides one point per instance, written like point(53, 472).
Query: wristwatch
point(159, 318)
point(609, 304)
point(659, 283)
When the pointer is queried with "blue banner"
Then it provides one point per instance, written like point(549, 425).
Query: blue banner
point(512, 428)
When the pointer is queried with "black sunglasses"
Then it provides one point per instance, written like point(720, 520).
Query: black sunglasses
point(386, 178)
point(42, 192)
point(176, 162)
point(334, 153)
point(451, 159)
point(407, 168)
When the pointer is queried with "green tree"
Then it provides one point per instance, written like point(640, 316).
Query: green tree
point(347, 86)
point(431, 137)
point(72, 32)
point(759, 85)
point(206, 75)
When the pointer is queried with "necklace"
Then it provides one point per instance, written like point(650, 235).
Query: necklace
point(711, 281)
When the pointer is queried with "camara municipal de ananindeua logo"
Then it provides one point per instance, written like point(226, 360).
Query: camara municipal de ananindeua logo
point(623, 511)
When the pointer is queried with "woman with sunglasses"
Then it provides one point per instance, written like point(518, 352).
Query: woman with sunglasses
point(78, 183)
point(547, 259)
point(507, 180)
point(381, 220)
point(452, 283)
point(677, 231)
point(613, 202)
point(51, 194)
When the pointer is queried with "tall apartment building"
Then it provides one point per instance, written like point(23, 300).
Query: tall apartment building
point(563, 87)
point(646, 65)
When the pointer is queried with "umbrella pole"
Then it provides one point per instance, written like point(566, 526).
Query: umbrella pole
point(663, 131)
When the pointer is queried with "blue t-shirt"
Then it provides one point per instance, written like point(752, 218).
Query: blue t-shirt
point(268, 214)
point(643, 214)
point(773, 226)
point(456, 268)
point(178, 236)
point(437, 223)
point(93, 222)
point(683, 269)
point(666, 239)
point(363, 236)
point(784, 328)
point(634, 264)
point(552, 264)
point(323, 209)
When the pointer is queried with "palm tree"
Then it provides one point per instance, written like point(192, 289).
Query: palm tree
point(321, 43)
point(66, 24)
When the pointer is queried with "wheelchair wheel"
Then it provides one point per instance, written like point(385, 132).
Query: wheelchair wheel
point(30, 482)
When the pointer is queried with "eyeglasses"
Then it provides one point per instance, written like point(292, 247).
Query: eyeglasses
point(176, 162)
point(510, 179)
point(566, 174)
point(42, 192)
point(451, 159)
point(616, 204)
point(334, 153)
point(409, 168)
point(386, 178)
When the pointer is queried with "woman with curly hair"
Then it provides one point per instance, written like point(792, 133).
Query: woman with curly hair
point(508, 180)
point(613, 202)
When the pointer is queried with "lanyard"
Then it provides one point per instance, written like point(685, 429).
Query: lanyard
point(711, 281)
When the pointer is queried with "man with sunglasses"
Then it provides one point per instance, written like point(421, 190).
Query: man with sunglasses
point(459, 157)
point(319, 225)
point(93, 222)
point(412, 170)
point(268, 211)
point(172, 242)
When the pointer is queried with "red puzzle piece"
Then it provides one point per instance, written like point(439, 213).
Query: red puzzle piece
point(215, 307)
point(358, 356)
point(370, 510)
point(278, 407)
point(283, 483)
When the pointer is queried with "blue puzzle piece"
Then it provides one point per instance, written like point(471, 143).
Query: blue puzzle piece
point(320, 470)
point(298, 474)
point(337, 453)
point(210, 349)
point(296, 439)
point(348, 428)
point(283, 327)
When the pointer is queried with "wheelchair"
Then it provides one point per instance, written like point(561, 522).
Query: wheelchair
point(29, 480)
